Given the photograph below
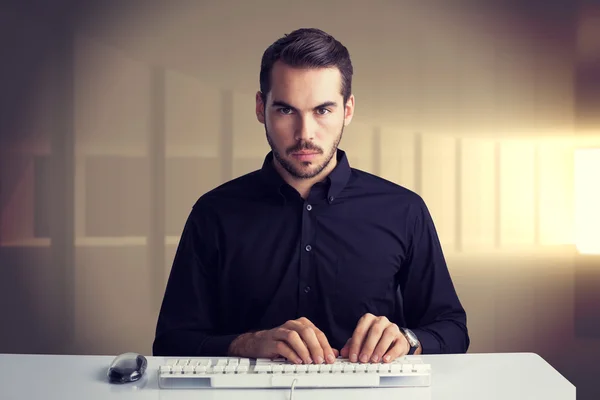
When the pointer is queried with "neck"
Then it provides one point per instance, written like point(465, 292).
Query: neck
point(303, 186)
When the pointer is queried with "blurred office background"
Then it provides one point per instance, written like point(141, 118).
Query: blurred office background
point(112, 130)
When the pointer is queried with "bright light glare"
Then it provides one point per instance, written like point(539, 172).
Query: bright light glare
point(587, 201)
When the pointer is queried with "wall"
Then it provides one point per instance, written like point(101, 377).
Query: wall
point(475, 112)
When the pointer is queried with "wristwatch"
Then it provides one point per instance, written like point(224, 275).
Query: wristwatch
point(412, 339)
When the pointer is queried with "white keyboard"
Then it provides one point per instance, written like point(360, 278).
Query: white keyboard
point(210, 372)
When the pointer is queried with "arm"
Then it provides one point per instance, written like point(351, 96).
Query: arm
point(431, 306)
point(187, 322)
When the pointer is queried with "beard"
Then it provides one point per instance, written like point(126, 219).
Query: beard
point(298, 172)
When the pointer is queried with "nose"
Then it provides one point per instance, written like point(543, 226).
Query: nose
point(305, 128)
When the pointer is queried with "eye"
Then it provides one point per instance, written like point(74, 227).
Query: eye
point(285, 110)
point(323, 111)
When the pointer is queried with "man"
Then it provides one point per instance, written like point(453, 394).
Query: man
point(308, 258)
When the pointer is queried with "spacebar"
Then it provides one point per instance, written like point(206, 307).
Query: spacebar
point(325, 380)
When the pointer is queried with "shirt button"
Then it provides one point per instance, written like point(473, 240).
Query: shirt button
point(331, 199)
point(307, 289)
point(309, 207)
point(308, 247)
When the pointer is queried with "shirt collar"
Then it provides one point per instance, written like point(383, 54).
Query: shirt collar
point(337, 179)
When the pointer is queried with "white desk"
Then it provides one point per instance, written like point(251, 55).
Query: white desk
point(457, 377)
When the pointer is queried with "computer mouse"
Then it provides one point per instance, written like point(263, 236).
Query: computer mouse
point(127, 367)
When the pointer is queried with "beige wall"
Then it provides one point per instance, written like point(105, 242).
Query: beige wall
point(473, 108)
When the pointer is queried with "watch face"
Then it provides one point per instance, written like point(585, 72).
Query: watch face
point(411, 337)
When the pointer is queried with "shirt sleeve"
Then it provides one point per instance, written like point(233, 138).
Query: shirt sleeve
point(187, 322)
point(432, 308)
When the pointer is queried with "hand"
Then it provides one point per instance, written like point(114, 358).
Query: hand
point(374, 339)
point(299, 341)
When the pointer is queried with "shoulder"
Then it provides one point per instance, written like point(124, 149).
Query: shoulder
point(229, 194)
point(371, 183)
point(400, 202)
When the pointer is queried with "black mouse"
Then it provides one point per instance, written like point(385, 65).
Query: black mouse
point(127, 367)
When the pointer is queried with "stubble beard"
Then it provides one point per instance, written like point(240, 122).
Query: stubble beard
point(304, 145)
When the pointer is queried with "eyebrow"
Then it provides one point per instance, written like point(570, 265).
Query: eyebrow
point(278, 103)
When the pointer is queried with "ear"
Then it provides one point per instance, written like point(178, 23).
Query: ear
point(260, 108)
point(349, 110)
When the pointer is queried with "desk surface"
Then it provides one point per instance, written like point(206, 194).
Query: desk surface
point(463, 377)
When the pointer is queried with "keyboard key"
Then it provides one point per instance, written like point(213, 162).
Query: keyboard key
point(361, 367)
point(373, 368)
point(189, 369)
point(301, 368)
point(263, 368)
point(230, 368)
point(165, 369)
point(325, 368)
point(177, 369)
point(420, 368)
point(277, 368)
point(385, 368)
point(289, 368)
point(349, 368)
point(201, 369)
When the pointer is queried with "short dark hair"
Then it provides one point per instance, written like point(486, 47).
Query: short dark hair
point(307, 48)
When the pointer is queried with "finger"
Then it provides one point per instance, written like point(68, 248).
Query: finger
point(373, 337)
point(284, 350)
point(293, 340)
point(324, 351)
point(399, 349)
point(309, 336)
point(390, 334)
point(336, 353)
point(359, 335)
point(345, 351)
point(328, 352)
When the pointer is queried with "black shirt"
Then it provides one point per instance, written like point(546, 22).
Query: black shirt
point(254, 254)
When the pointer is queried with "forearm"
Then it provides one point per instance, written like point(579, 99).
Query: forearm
point(443, 337)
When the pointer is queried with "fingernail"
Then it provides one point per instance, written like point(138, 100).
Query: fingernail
point(319, 360)
point(298, 361)
point(387, 358)
point(330, 358)
point(364, 358)
point(310, 361)
point(353, 357)
point(375, 358)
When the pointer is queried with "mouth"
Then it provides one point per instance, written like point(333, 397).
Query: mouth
point(305, 155)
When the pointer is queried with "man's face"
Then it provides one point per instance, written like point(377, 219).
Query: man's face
point(304, 117)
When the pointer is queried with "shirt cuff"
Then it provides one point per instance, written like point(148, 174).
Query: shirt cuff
point(429, 343)
point(216, 346)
